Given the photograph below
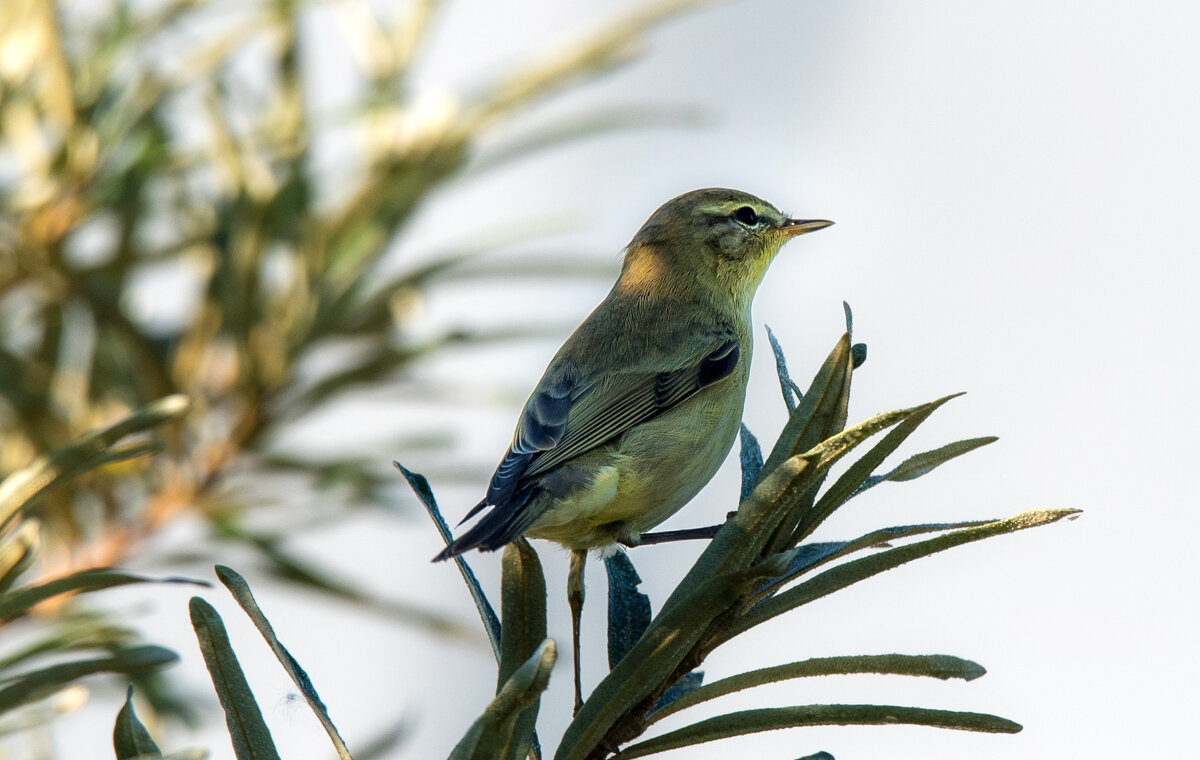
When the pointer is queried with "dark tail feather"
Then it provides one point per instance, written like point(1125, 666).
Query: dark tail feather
point(499, 526)
point(474, 511)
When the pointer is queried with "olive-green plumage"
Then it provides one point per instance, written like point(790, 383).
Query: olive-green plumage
point(642, 403)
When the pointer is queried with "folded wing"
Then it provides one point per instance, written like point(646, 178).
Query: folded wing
point(569, 415)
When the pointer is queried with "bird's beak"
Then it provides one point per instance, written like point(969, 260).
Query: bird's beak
point(794, 227)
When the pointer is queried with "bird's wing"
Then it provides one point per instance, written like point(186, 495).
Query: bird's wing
point(573, 411)
point(569, 415)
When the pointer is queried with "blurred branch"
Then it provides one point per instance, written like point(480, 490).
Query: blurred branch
point(90, 451)
point(290, 567)
point(586, 126)
point(596, 53)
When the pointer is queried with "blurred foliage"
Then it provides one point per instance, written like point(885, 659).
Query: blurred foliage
point(136, 147)
point(38, 675)
point(183, 217)
point(758, 565)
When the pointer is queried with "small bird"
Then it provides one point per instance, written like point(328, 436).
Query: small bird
point(641, 405)
point(643, 402)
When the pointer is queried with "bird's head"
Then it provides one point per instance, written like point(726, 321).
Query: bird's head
point(715, 240)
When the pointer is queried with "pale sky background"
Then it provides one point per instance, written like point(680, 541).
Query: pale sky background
point(1015, 190)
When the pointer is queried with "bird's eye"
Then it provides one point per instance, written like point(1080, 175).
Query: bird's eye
point(745, 215)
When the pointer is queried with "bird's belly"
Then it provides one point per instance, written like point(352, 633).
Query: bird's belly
point(646, 475)
point(668, 463)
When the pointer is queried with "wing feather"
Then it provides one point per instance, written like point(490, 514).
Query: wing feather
point(610, 409)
